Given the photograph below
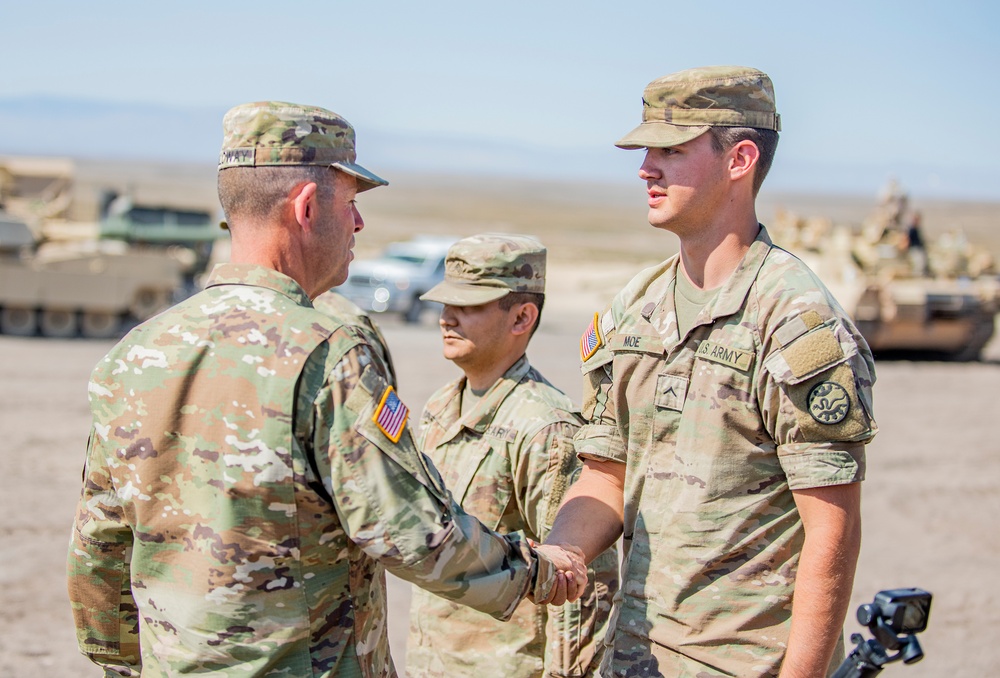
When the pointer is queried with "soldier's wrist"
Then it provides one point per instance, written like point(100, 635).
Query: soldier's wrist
point(533, 566)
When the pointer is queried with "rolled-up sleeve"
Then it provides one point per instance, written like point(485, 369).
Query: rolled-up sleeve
point(817, 406)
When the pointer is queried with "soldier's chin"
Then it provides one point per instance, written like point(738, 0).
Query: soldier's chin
point(340, 278)
point(453, 349)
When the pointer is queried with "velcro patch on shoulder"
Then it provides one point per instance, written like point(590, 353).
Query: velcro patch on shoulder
point(812, 352)
point(591, 339)
point(371, 381)
point(607, 323)
point(370, 386)
point(724, 355)
point(798, 326)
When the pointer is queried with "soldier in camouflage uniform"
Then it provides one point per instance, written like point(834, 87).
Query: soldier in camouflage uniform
point(342, 308)
point(728, 399)
point(502, 437)
point(250, 471)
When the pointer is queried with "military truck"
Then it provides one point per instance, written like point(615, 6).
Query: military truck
point(932, 299)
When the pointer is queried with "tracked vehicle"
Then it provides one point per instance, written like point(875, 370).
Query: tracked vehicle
point(90, 288)
point(66, 272)
point(938, 300)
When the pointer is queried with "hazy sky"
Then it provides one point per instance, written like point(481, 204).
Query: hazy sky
point(866, 90)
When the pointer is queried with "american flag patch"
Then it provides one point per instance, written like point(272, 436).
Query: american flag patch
point(390, 415)
point(591, 339)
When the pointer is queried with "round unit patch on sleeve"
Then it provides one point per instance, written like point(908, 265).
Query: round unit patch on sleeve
point(829, 402)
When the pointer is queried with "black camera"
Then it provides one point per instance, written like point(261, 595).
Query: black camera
point(893, 618)
point(901, 610)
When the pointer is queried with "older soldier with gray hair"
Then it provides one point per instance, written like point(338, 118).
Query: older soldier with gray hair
point(502, 437)
point(250, 470)
point(728, 399)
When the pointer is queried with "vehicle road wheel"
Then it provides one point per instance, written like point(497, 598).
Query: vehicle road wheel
point(57, 322)
point(98, 325)
point(148, 302)
point(413, 313)
point(18, 321)
point(978, 338)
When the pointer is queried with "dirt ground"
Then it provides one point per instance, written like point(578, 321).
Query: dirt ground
point(930, 499)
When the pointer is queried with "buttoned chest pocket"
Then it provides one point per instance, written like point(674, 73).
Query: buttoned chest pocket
point(669, 400)
point(486, 488)
point(638, 359)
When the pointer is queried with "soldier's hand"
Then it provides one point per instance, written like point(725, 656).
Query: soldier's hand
point(571, 574)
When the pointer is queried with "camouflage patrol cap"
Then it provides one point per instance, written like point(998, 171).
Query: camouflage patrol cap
point(684, 105)
point(482, 268)
point(276, 133)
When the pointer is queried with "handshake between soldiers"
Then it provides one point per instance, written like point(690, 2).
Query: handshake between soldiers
point(250, 472)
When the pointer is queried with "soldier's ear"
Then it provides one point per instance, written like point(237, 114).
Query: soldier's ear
point(743, 158)
point(303, 201)
point(525, 316)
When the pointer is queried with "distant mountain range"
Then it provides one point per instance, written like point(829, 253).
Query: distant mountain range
point(81, 128)
point(46, 125)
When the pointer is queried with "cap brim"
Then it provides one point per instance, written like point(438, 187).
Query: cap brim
point(655, 134)
point(366, 180)
point(460, 294)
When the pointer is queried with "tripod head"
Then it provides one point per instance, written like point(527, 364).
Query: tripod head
point(893, 618)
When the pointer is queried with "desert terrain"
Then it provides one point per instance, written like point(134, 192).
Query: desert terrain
point(929, 499)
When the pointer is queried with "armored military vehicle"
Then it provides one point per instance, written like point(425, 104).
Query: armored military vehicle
point(933, 299)
point(187, 234)
point(65, 271)
point(61, 289)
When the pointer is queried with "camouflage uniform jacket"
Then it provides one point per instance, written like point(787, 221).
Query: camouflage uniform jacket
point(769, 392)
point(240, 499)
point(340, 307)
point(509, 462)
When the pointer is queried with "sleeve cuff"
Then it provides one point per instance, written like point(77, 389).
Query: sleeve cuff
point(600, 442)
point(809, 465)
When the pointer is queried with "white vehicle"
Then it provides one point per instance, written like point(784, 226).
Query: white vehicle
point(393, 282)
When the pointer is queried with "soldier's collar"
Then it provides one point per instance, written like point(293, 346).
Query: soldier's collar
point(258, 276)
point(482, 414)
point(733, 294)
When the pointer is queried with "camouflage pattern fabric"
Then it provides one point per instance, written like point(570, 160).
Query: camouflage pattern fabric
point(340, 307)
point(278, 133)
point(240, 502)
point(509, 462)
point(681, 106)
point(769, 392)
point(481, 268)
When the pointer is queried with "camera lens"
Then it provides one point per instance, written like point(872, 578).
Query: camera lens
point(867, 613)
